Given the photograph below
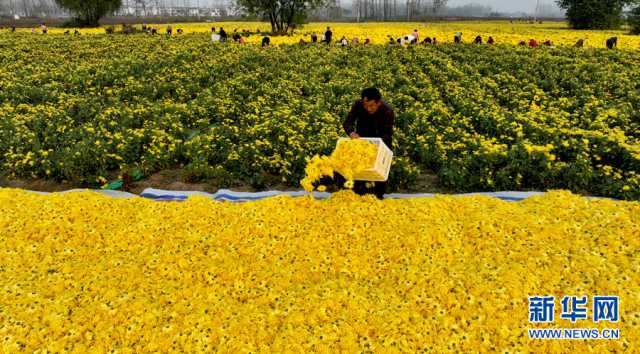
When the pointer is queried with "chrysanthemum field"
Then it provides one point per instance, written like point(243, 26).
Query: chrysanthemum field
point(83, 273)
point(92, 108)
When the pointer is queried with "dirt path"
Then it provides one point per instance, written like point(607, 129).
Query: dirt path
point(173, 179)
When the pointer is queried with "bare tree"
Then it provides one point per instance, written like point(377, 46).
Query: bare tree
point(141, 7)
point(375, 9)
point(420, 8)
point(437, 6)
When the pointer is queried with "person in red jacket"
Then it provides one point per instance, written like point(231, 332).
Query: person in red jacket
point(370, 117)
point(533, 43)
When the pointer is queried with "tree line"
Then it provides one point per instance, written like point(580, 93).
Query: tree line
point(600, 14)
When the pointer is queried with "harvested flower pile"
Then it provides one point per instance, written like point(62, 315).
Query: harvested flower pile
point(82, 272)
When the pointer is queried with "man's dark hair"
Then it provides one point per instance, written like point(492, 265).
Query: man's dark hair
point(371, 94)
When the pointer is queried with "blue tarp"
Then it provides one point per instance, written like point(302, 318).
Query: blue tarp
point(228, 195)
point(232, 196)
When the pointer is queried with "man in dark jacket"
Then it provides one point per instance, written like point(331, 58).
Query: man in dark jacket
point(370, 117)
point(327, 35)
point(223, 35)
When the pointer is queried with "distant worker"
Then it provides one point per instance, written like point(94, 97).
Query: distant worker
point(490, 41)
point(547, 43)
point(612, 42)
point(415, 35)
point(44, 28)
point(355, 41)
point(410, 39)
point(76, 33)
point(457, 38)
point(302, 42)
point(266, 41)
point(522, 43)
point(223, 35)
point(435, 41)
point(370, 117)
point(343, 41)
point(327, 35)
point(314, 38)
point(579, 43)
point(169, 30)
point(478, 40)
point(426, 40)
point(214, 36)
point(533, 43)
point(180, 31)
point(367, 41)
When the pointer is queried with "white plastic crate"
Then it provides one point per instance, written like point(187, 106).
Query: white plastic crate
point(380, 171)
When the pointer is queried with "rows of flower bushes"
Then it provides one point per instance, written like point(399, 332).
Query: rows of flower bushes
point(503, 32)
point(482, 118)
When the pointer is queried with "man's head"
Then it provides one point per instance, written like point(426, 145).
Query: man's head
point(371, 100)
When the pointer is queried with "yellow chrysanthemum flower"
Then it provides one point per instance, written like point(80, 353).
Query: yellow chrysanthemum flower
point(349, 158)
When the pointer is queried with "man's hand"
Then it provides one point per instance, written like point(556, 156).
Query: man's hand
point(354, 135)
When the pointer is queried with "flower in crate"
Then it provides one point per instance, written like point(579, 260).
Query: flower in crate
point(349, 158)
